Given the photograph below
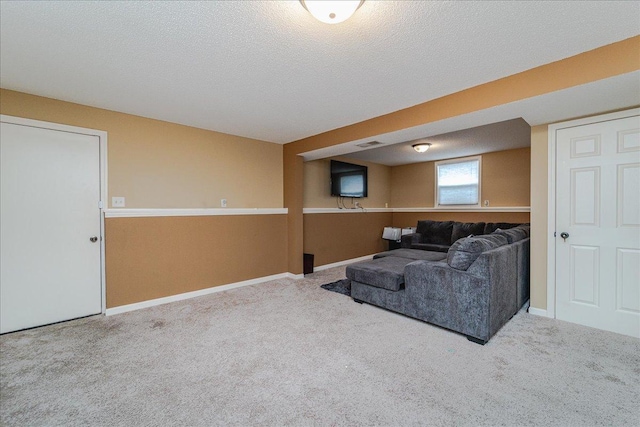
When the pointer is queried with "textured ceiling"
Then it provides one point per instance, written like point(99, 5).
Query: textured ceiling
point(507, 135)
point(585, 100)
point(268, 70)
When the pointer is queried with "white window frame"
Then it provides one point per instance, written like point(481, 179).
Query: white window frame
point(437, 188)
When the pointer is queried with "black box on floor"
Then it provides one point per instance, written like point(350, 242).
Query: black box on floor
point(307, 267)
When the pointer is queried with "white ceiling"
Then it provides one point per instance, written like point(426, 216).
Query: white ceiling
point(268, 70)
point(454, 137)
point(507, 135)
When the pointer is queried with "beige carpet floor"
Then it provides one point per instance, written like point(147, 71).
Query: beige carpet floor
point(288, 353)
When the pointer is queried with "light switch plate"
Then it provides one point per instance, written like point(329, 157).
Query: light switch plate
point(117, 202)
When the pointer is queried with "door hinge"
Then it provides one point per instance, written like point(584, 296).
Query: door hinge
point(554, 234)
point(100, 205)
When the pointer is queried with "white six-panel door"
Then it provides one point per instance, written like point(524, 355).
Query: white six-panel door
point(50, 251)
point(598, 207)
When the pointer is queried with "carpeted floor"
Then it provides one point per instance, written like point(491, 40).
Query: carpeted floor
point(289, 353)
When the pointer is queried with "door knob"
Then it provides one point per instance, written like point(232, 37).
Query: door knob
point(564, 235)
point(93, 239)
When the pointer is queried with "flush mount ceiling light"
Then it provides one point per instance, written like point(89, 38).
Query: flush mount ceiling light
point(331, 12)
point(422, 147)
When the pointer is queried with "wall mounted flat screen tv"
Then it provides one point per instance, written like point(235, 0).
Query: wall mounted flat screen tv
point(348, 180)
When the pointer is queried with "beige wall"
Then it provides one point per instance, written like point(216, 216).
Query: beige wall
point(601, 63)
point(342, 236)
point(505, 181)
point(338, 237)
point(317, 184)
point(539, 215)
point(413, 185)
point(156, 164)
point(506, 177)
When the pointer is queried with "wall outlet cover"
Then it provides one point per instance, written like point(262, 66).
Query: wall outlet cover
point(223, 203)
point(117, 202)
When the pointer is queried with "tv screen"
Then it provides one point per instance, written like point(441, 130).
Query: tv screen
point(348, 180)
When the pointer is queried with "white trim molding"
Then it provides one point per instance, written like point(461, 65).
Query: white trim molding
point(538, 312)
point(401, 210)
point(138, 213)
point(339, 210)
point(188, 295)
point(551, 194)
point(345, 262)
point(102, 138)
point(467, 209)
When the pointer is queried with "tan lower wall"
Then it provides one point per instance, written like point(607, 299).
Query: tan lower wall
point(155, 257)
point(342, 236)
point(410, 219)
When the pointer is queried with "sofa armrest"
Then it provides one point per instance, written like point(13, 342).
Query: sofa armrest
point(408, 239)
point(454, 299)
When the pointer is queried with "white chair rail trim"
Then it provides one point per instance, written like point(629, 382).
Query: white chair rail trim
point(472, 209)
point(365, 210)
point(133, 213)
point(338, 210)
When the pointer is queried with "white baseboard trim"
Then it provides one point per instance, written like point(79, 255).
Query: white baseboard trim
point(198, 293)
point(538, 312)
point(345, 262)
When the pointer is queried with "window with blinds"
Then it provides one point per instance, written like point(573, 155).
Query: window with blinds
point(458, 182)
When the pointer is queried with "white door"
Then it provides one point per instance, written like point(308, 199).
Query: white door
point(50, 267)
point(598, 207)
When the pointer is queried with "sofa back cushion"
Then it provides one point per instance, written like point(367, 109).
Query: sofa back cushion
point(438, 232)
point(464, 229)
point(490, 227)
point(512, 235)
point(526, 228)
point(465, 251)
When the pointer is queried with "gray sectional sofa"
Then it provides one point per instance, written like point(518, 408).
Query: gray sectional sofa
point(440, 235)
point(473, 288)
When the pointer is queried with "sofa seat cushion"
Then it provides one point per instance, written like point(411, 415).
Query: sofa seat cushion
point(465, 251)
point(430, 247)
point(413, 254)
point(464, 229)
point(386, 273)
point(436, 232)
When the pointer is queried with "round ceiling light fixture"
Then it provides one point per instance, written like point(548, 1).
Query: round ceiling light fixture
point(422, 147)
point(330, 11)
